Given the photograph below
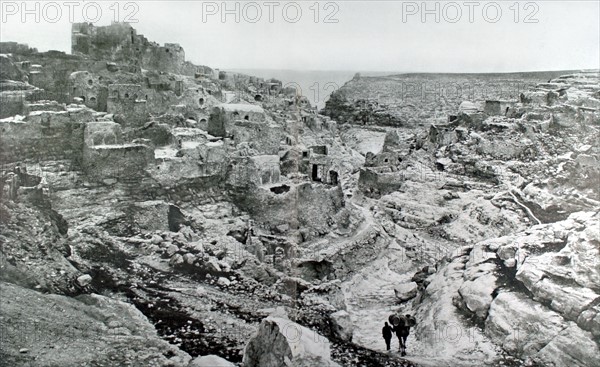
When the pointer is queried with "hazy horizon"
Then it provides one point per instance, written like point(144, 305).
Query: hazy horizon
point(357, 36)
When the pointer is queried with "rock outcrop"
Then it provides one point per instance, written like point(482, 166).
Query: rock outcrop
point(88, 329)
point(281, 342)
point(531, 290)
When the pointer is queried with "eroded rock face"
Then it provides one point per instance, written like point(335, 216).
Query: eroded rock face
point(520, 325)
point(535, 293)
point(342, 325)
point(280, 342)
point(58, 330)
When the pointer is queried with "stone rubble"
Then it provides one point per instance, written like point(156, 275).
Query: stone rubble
point(160, 213)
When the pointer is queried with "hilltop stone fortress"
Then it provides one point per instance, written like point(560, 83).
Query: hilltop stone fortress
point(143, 114)
point(137, 187)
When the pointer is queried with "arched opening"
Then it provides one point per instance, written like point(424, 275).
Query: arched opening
point(201, 101)
point(82, 98)
point(247, 118)
point(236, 115)
point(90, 82)
point(258, 98)
point(92, 99)
point(203, 121)
point(126, 95)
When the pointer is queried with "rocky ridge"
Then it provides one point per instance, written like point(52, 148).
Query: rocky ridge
point(180, 208)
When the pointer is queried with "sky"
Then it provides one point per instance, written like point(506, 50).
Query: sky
point(398, 36)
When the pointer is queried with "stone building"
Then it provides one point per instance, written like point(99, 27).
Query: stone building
point(254, 171)
point(499, 108)
point(105, 156)
point(120, 42)
point(321, 167)
point(245, 123)
point(127, 101)
point(89, 88)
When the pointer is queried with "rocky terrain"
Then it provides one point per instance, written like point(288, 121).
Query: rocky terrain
point(160, 213)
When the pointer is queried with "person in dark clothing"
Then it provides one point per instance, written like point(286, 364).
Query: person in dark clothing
point(387, 335)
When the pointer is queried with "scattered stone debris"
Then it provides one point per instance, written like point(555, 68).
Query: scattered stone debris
point(171, 214)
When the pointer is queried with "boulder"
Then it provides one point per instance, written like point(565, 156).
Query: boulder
point(223, 282)
point(210, 361)
point(189, 258)
point(406, 291)
point(281, 342)
point(341, 325)
point(176, 259)
point(84, 280)
point(156, 239)
point(172, 249)
point(213, 265)
point(477, 294)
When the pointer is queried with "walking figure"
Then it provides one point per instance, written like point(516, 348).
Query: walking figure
point(387, 335)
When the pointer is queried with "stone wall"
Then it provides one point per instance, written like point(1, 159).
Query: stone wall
point(102, 133)
point(119, 162)
point(44, 135)
point(127, 102)
point(88, 87)
point(262, 137)
point(120, 42)
point(254, 171)
point(305, 206)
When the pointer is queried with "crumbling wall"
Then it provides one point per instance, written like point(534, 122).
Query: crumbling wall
point(374, 183)
point(264, 138)
point(121, 162)
point(306, 206)
point(127, 102)
point(120, 42)
point(254, 171)
point(225, 115)
point(44, 135)
point(88, 87)
point(498, 108)
point(169, 58)
point(102, 133)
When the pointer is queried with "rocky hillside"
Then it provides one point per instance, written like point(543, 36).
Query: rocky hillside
point(500, 202)
point(160, 213)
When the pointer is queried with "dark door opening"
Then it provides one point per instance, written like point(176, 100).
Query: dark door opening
point(315, 173)
point(333, 177)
